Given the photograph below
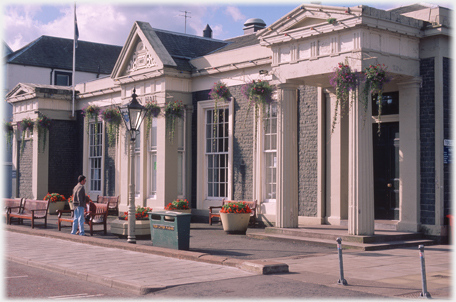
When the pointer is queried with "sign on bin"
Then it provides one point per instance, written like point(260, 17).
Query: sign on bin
point(170, 229)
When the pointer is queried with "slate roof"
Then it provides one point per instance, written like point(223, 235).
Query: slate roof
point(239, 42)
point(53, 52)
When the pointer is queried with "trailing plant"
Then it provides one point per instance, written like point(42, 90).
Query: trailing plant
point(111, 116)
point(259, 95)
point(43, 123)
point(152, 110)
point(219, 92)
point(25, 124)
point(344, 80)
point(236, 207)
point(91, 112)
point(173, 111)
point(140, 213)
point(178, 204)
point(375, 77)
point(9, 131)
point(54, 197)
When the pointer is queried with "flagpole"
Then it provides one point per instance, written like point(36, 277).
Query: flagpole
point(76, 34)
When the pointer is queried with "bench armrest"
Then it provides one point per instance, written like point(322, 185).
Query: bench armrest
point(59, 212)
point(214, 207)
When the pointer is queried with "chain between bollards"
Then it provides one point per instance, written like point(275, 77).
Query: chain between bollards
point(424, 293)
point(341, 265)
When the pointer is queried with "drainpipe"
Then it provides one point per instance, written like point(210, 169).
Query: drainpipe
point(50, 80)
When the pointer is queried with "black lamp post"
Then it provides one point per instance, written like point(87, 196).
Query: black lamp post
point(133, 115)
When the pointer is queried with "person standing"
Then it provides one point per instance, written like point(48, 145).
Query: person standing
point(79, 202)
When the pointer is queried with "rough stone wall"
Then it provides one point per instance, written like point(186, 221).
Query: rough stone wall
point(307, 150)
point(243, 144)
point(24, 170)
point(447, 122)
point(427, 141)
point(65, 155)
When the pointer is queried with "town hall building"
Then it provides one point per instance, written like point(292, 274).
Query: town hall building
point(300, 166)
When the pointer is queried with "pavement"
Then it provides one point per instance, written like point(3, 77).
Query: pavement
point(214, 255)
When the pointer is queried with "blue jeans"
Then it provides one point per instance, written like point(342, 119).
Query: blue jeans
point(78, 220)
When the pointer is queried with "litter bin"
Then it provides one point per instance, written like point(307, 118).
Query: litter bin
point(170, 229)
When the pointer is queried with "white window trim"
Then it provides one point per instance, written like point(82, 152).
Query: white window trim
point(203, 202)
point(184, 151)
point(149, 163)
point(86, 166)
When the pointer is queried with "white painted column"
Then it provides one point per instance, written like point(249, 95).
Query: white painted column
point(287, 157)
point(40, 163)
point(360, 177)
point(409, 154)
point(166, 165)
point(337, 162)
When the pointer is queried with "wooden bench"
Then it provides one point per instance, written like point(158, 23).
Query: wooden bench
point(99, 217)
point(30, 209)
point(252, 205)
point(113, 202)
point(15, 203)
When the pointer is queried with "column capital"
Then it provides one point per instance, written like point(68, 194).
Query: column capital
point(288, 86)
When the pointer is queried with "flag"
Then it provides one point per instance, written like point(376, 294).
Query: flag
point(76, 31)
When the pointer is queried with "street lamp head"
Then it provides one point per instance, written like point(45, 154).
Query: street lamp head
point(133, 115)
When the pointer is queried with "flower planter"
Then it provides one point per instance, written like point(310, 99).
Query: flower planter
point(120, 227)
point(189, 211)
point(54, 206)
point(235, 223)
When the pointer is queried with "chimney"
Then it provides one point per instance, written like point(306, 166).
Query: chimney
point(207, 32)
point(253, 25)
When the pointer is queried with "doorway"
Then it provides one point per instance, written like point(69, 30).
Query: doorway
point(386, 171)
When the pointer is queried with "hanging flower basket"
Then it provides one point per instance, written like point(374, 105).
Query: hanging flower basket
point(111, 116)
point(25, 124)
point(343, 80)
point(259, 95)
point(152, 110)
point(173, 111)
point(219, 92)
point(331, 20)
point(43, 124)
point(91, 112)
point(375, 77)
point(9, 131)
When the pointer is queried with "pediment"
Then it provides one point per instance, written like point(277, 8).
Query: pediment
point(305, 17)
point(143, 52)
point(21, 89)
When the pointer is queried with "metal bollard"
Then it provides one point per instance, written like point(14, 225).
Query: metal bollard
point(424, 293)
point(341, 265)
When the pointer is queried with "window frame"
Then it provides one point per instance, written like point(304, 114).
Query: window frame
point(68, 74)
point(100, 156)
point(203, 201)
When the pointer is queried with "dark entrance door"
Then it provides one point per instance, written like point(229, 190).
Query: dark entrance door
point(386, 171)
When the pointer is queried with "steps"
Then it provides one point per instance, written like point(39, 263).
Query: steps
point(326, 235)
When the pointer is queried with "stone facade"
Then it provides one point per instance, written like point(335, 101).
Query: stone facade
point(25, 169)
point(427, 139)
point(307, 153)
point(447, 122)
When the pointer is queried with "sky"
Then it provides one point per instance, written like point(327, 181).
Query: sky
point(110, 22)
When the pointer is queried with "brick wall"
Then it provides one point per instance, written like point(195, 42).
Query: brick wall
point(307, 150)
point(24, 170)
point(447, 122)
point(65, 154)
point(427, 143)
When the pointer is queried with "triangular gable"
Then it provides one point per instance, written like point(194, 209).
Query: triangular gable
point(143, 52)
point(20, 89)
point(304, 17)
